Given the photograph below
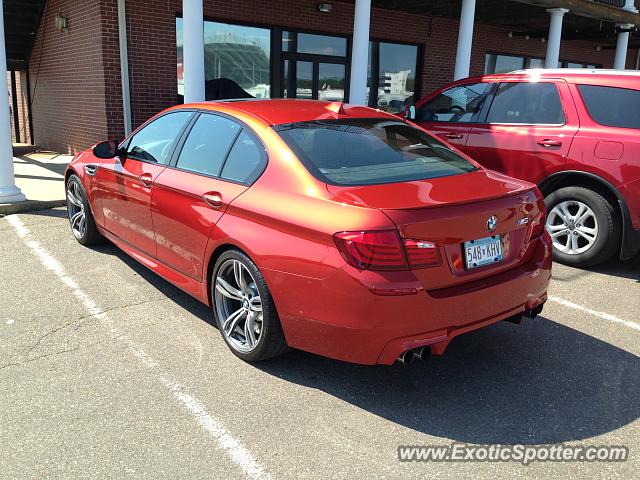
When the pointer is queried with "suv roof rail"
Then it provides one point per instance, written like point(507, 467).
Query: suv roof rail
point(588, 71)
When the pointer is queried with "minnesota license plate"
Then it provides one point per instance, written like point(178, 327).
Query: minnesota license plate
point(483, 251)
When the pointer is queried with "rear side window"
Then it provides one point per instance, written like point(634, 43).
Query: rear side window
point(245, 161)
point(370, 151)
point(207, 145)
point(613, 107)
point(155, 141)
point(460, 104)
point(526, 103)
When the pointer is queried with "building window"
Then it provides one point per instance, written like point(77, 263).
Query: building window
point(236, 52)
point(392, 75)
point(498, 63)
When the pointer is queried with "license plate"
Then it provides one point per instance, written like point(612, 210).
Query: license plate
point(483, 251)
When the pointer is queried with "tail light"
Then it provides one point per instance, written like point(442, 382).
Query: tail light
point(385, 250)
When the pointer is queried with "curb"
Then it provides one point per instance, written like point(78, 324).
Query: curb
point(29, 206)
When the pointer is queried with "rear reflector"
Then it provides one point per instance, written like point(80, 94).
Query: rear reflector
point(385, 250)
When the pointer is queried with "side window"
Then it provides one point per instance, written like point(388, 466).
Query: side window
point(154, 142)
point(460, 104)
point(207, 145)
point(612, 107)
point(246, 160)
point(526, 103)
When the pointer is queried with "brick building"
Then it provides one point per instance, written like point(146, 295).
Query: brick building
point(67, 53)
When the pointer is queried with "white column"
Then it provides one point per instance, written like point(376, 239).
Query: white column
point(9, 193)
point(620, 60)
point(465, 39)
point(124, 66)
point(555, 34)
point(360, 53)
point(193, 50)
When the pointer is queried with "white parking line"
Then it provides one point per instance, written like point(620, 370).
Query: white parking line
point(234, 449)
point(595, 313)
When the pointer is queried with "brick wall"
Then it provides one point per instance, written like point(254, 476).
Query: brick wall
point(67, 78)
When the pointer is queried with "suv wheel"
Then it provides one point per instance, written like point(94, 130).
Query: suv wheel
point(583, 225)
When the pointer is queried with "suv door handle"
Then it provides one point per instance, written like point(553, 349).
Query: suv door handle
point(453, 136)
point(146, 179)
point(550, 143)
point(214, 199)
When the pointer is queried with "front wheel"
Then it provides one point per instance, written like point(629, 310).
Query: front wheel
point(245, 313)
point(81, 219)
point(583, 225)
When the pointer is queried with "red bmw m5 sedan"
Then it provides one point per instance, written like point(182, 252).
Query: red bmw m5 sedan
point(335, 229)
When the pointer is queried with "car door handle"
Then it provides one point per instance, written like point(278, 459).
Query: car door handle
point(146, 179)
point(550, 143)
point(214, 199)
point(453, 136)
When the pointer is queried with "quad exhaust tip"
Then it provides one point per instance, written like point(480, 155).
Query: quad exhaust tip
point(409, 356)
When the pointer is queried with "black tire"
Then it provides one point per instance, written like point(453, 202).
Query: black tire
point(91, 235)
point(609, 232)
point(271, 342)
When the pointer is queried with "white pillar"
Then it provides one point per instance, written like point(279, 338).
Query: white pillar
point(555, 34)
point(9, 193)
point(620, 60)
point(193, 50)
point(124, 66)
point(465, 39)
point(360, 53)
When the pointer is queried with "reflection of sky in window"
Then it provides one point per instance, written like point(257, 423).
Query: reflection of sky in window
point(395, 57)
point(215, 32)
point(322, 44)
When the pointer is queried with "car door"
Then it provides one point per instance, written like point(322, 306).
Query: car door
point(528, 130)
point(216, 161)
point(125, 183)
point(451, 114)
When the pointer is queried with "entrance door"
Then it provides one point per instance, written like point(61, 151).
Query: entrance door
point(314, 77)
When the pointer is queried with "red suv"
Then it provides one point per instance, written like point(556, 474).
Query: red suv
point(572, 132)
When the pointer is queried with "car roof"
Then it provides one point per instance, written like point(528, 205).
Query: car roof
point(589, 76)
point(279, 111)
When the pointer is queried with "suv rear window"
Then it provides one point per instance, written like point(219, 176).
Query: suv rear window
point(370, 151)
point(612, 106)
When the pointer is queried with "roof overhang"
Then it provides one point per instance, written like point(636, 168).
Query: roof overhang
point(590, 9)
point(21, 19)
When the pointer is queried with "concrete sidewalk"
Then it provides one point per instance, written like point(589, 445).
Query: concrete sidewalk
point(40, 176)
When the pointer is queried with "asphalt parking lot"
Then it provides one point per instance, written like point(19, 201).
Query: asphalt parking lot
point(108, 371)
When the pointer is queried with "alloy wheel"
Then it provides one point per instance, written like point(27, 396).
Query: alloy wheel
point(238, 305)
point(573, 227)
point(75, 209)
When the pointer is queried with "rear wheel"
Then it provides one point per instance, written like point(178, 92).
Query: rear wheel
point(81, 219)
point(245, 313)
point(583, 225)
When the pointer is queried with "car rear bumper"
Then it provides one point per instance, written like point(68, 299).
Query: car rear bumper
point(340, 317)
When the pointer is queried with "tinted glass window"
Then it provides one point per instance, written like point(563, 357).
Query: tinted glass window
point(206, 147)
point(234, 52)
point(613, 107)
point(314, 44)
point(502, 63)
point(527, 103)
point(155, 141)
point(391, 75)
point(245, 161)
point(459, 104)
point(370, 151)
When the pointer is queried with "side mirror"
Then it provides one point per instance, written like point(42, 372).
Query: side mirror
point(106, 149)
point(410, 112)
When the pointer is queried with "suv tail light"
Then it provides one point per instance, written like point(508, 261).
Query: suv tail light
point(385, 250)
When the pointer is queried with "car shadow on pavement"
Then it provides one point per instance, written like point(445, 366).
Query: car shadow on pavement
point(538, 383)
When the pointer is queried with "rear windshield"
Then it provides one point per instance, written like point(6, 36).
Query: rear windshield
point(612, 106)
point(370, 151)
